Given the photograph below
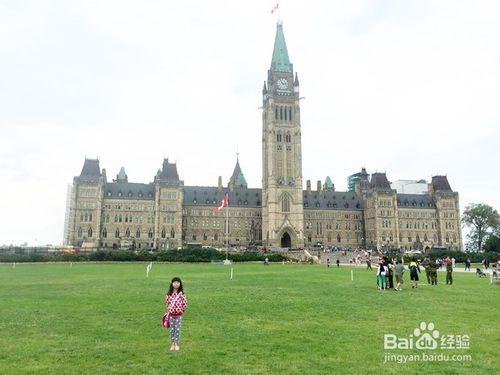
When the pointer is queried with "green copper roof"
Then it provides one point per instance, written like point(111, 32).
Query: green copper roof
point(328, 182)
point(122, 176)
point(280, 61)
point(238, 179)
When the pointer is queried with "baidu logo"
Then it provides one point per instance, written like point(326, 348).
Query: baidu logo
point(426, 337)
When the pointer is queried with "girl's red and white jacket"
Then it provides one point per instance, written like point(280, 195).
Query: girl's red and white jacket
point(176, 303)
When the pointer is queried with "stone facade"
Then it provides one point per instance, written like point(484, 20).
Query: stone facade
point(167, 214)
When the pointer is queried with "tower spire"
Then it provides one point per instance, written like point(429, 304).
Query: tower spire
point(280, 61)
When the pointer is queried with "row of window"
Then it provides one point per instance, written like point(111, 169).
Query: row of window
point(414, 204)
point(332, 215)
point(130, 194)
point(333, 205)
point(330, 226)
point(283, 113)
point(214, 201)
point(198, 212)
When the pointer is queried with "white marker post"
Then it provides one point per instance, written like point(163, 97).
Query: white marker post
point(71, 265)
point(148, 269)
point(13, 265)
point(231, 273)
point(352, 275)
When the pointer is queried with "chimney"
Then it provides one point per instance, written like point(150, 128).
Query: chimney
point(220, 183)
point(308, 185)
point(318, 186)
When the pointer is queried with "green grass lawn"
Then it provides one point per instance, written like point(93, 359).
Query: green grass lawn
point(293, 319)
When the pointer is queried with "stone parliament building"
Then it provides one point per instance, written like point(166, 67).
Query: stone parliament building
point(167, 214)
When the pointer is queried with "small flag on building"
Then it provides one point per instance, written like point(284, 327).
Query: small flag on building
point(223, 203)
point(148, 269)
point(275, 8)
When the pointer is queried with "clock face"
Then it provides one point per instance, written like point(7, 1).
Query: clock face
point(282, 83)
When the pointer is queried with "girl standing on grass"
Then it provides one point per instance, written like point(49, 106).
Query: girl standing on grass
point(176, 304)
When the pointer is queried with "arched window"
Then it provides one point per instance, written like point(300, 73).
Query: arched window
point(285, 203)
point(447, 238)
point(104, 233)
point(127, 233)
point(278, 137)
point(216, 237)
point(138, 233)
point(89, 233)
point(80, 232)
point(204, 236)
point(290, 113)
point(163, 233)
point(117, 233)
point(120, 218)
point(286, 117)
point(281, 113)
point(150, 233)
point(172, 233)
point(276, 113)
point(338, 238)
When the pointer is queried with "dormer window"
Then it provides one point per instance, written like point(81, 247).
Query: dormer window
point(108, 194)
point(195, 201)
point(150, 195)
point(129, 193)
point(120, 193)
point(140, 194)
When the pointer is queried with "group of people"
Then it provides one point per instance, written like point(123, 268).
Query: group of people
point(388, 269)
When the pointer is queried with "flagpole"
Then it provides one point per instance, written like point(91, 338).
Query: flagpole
point(227, 227)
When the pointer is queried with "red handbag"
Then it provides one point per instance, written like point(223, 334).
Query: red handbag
point(165, 321)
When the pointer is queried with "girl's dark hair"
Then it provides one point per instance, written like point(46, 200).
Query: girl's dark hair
point(171, 287)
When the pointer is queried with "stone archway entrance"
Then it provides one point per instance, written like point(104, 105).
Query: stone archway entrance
point(286, 241)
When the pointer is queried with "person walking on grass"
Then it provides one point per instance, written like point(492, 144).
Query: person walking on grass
point(327, 262)
point(368, 264)
point(176, 304)
point(449, 271)
point(399, 270)
point(338, 263)
point(467, 264)
point(426, 264)
point(381, 276)
point(414, 271)
point(433, 272)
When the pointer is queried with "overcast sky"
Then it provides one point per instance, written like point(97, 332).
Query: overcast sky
point(411, 88)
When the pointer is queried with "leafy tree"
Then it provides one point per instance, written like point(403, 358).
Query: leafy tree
point(482, 220)
point(492, 243)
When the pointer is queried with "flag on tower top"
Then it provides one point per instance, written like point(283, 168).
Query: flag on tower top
point(223, 203)
point(275, 8)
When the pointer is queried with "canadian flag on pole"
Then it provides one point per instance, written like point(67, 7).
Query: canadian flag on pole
point(275, 8)
point(222, 203)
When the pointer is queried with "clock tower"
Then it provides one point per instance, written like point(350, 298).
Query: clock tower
point(282, 203)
